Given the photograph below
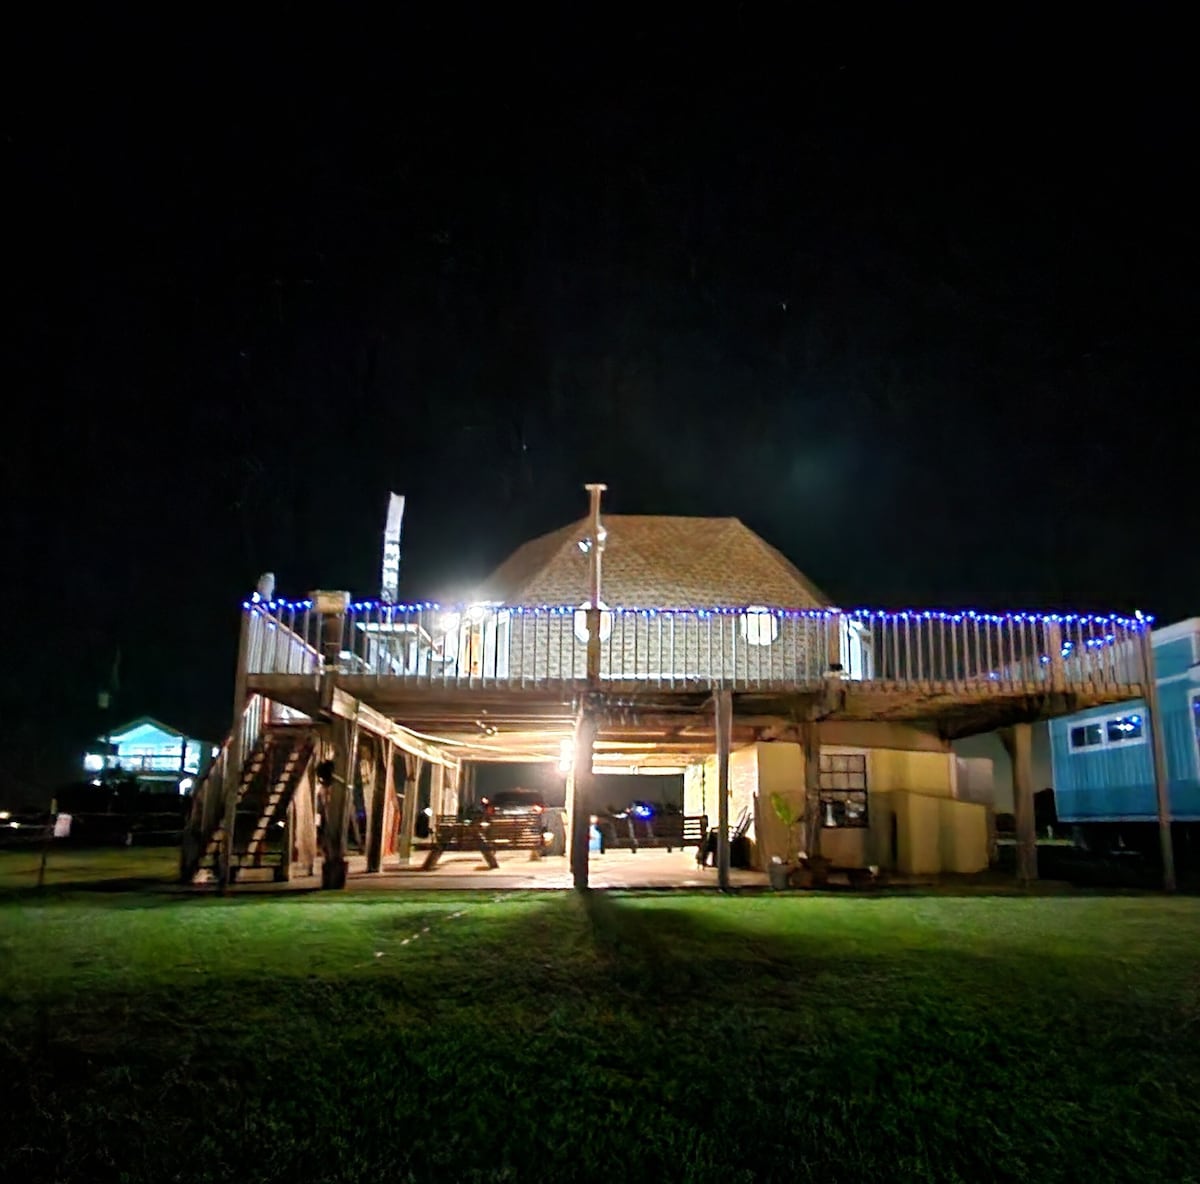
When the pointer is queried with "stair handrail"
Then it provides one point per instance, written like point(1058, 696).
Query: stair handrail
point(208, 794)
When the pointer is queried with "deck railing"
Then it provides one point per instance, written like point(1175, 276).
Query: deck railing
point(747, 648)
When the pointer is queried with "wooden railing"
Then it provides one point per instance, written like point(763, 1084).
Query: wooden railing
point(208, 794)
point(743, 648)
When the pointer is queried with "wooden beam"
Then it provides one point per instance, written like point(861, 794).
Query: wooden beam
point(723, 708)
point(346, 706)
point(1158, 751)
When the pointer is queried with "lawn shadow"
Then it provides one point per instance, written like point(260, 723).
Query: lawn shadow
point(674, 1036)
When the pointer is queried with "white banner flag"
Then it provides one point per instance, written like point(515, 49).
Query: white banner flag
point(390, 589)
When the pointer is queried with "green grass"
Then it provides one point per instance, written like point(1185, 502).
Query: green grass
point(148, 1036)
point(74, 867)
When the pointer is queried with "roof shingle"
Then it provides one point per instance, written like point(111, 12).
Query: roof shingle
point(655, 561)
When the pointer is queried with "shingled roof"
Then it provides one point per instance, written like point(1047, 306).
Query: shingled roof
point(655, 561)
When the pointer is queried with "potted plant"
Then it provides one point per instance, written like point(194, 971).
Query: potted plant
point(779, 872)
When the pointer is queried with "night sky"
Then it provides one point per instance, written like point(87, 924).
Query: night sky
point(927, 321)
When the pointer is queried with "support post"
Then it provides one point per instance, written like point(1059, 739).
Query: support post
point(810, 740)
point(724, 728)
point(284, 873)
point(437, 789)
point(375, 795)
point(581, 797)
point(388, 837)
point(1019, 741)
point(450, 785)
point(1158, 750)
point(304, 808)
point(408, 819)
point(337, 804)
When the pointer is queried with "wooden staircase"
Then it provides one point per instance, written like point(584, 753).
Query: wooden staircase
point(270, 775)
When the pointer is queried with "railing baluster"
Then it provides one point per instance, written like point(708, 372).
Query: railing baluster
point(637, 632)
point(671, 643)
point(943, 669)
point(954, 669)
point(708, 659)
point(1034, 659)
point(975, 661)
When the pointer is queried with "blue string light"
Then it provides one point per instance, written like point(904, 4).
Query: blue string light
point(705, 612)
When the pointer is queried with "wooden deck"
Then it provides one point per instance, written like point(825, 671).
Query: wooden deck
point(495, 676)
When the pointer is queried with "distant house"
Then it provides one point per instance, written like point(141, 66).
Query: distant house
point(158, 756)
point(1103, 761)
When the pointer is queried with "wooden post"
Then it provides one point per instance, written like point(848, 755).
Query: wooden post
point(581, 797)
point(338, 804)
point(450, 785)
point(1158, 751)
point(304, 806)
point(810, 740)
point(437, 790)
point(47, 839)
point(387, 826)
point(289, 841)
point(412, 784)
point(724, 728)
point(375, 793)
point(1019, 741)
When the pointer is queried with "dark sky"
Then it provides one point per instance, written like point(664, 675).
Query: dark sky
point(925, 319)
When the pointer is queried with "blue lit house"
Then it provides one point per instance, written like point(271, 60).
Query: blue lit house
point(157, 755)
point(1103, 759)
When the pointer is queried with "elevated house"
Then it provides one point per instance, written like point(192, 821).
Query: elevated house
point(643, 642)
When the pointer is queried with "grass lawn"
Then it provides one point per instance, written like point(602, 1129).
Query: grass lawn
point(148, 1036)
point(116, 868)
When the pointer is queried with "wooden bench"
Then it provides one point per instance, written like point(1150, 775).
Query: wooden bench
point(660, 830)
point(504, 832)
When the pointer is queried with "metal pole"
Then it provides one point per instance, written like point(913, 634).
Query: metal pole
point(1158, 749)
point(593, 615)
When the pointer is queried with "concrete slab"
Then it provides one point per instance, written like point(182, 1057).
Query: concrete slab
point(614, 869)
